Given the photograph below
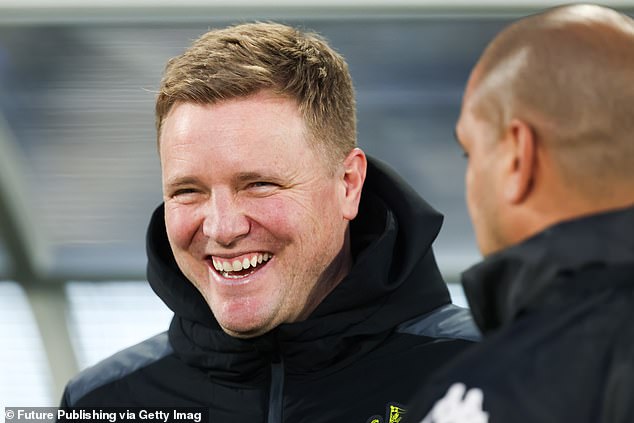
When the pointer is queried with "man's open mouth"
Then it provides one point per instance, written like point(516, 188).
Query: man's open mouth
point(240, 266)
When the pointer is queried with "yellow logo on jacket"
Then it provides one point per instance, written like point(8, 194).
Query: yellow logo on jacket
point(393, 414)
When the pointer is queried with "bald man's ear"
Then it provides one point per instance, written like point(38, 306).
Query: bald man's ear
point(522, 164)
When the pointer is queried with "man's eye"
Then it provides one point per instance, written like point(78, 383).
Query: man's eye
point(183, 191)
point(262, 188)
point(260, 184)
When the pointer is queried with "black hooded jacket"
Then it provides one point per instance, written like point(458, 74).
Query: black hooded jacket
point(357, 358)
point(557, 313)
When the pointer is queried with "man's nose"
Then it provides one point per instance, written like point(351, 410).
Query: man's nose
point(225, 222)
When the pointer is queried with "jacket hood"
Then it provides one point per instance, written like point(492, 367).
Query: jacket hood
point(394, 278)
point(507, 283)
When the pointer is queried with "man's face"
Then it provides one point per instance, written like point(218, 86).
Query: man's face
point(253, 216)
point(479, 140)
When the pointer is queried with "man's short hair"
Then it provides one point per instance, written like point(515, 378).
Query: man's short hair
point(241, 60)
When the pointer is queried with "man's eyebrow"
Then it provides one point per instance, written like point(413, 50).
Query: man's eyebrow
point(456, 138)
point(458, 141)
point(251, 176)
point(248, 176)
point(179, 181)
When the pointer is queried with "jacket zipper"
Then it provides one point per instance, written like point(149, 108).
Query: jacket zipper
point(276, 391)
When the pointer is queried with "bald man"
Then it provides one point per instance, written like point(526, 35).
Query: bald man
point(547, 124)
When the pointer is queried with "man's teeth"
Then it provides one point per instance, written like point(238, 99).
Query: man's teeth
point(237, 265)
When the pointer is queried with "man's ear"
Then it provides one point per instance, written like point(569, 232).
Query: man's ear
point(354, 171)
point(522, 150)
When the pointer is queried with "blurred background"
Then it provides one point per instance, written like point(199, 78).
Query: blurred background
point(79, 173)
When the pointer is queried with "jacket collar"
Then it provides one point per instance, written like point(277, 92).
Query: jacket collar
point(507, 283)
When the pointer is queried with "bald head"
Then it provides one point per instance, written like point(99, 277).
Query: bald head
point(569, 74)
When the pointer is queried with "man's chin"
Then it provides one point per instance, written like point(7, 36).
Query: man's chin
point(245, 330)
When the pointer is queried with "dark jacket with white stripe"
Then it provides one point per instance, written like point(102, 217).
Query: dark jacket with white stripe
point(357, 358)
point(557, 313)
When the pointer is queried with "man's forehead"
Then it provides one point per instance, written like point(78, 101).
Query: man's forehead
point(468, 101)
point(472, 83)
point(470, 94)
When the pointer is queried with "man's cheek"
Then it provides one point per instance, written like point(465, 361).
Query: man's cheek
point(180, 226)
point(272, 213)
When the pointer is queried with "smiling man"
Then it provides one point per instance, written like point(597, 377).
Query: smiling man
point(256, 219)
point(547, 126)
point(300, 272)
